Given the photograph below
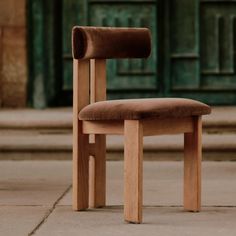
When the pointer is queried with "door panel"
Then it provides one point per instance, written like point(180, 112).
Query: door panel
point(202, 50)
point(218, 50)
point(184, 51)
point(128, 74)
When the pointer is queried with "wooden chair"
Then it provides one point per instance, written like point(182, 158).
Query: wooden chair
point(93, 118)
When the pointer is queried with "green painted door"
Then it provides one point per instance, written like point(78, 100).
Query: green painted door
point(193, 47)
point(201, 50)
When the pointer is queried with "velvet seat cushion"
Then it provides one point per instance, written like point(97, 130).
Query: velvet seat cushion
point(134, 109)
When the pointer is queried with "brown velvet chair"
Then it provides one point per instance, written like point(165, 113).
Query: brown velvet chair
point(93, 118)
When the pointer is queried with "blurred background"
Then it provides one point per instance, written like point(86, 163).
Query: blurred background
point(193, 56)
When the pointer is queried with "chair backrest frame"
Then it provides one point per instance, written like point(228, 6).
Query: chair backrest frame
point(89, 69)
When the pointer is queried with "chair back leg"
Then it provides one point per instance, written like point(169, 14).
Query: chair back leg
point(97, 173)
point(80, 171)
point(80, 140)
point(97, 166)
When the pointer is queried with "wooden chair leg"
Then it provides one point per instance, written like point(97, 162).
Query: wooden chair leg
point(80, 140)
point(133, 171)
point(192, 167)
point(80, 168)
point(97, 173)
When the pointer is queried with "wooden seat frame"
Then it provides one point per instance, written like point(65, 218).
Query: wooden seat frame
point(89, 147)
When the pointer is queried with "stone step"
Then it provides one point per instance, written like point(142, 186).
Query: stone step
point(222, 119)
point(59, 146)
point(47, 119)
point(47, 134)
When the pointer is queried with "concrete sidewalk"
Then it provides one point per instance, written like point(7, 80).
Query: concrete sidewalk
point(35, 199)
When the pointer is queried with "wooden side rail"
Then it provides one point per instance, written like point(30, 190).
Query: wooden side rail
point(150, 127)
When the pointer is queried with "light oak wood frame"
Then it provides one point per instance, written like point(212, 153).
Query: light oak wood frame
point(89, 177)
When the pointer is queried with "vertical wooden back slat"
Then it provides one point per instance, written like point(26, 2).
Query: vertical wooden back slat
point(98, 80)
point(97, 164)
point(80, 84)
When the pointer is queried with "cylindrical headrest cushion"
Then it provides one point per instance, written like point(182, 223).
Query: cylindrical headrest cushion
point(109, 42)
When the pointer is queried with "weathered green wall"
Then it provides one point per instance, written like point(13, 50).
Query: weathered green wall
point(194, 48)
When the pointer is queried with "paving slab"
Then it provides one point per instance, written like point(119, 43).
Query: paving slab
point(20, 220)
point(33, 182)
point(30, 193)
point(163, 184)
point(163, 214)
point(157, 221)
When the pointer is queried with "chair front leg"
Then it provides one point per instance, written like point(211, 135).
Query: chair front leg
point(133, 171)
point(80, 167)
point(97, 173)
point(192, 166)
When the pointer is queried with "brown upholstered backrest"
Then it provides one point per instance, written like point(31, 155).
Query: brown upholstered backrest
point(109, 42)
